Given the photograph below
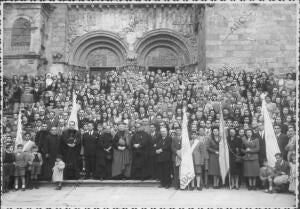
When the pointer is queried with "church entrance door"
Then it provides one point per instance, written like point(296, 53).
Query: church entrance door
point(95, 71)
point(163, 69)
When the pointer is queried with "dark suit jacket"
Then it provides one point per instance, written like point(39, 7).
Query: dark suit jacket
point(282, 167)
point(262, 147)
point(283, 140)
point(89, 143)
point(82, 122)
point(165, 145)
point(152, 144)
point(53, 123)
point(176, 145)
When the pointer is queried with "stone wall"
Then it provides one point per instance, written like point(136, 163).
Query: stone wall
point(25, 60)
point(131, 23)
point(58, 26)
point(251, 36)
point(244, 36)
point(20, 67)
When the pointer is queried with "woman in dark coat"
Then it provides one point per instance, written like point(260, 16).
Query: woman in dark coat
point(235, 163)
point(70, 146)
point(213, 162)
point(251, 160)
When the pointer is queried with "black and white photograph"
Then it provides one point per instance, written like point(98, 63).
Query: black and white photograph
point(149, 104)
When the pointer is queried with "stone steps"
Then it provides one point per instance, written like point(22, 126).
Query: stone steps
point(91, 183)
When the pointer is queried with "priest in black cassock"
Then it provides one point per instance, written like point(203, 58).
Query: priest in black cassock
point(140, 146)
point(52, 149)
point(70, 147)
point(41, 143)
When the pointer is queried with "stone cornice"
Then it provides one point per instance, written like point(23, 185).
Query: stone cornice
point(24, 56)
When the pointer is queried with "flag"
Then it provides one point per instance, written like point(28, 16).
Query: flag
point(19, 139)
point(270, 137)
point(73, 115)
point(187, 172)
point(223, 149)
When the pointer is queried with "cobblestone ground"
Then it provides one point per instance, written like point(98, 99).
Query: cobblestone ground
point(120, 196)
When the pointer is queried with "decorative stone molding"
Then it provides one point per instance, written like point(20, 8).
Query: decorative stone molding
point(84, 45)
point(57, 57)
point(163, 38)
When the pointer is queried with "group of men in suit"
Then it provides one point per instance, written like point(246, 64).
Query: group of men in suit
point(150, 154)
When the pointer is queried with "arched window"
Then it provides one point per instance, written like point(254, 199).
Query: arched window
point(20, 35)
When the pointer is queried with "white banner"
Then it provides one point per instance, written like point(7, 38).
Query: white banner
point(270, 137)
point(73, 115)
point(187, 173)
point(223, 149)
point(19, 139)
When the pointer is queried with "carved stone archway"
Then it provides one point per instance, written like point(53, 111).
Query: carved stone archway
point(159, 42)
point(87, 45)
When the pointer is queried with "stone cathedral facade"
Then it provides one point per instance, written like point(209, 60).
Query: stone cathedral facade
point(40, 38)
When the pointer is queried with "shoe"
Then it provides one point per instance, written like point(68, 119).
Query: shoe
point(237, 188)
point(254, 188)
point(206, 187)
point(249, 188)
point(167, 187)
point(160, 186)
point(199, 188)
point(58, 188)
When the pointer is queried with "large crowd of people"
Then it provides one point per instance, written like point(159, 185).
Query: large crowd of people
point(130, 125)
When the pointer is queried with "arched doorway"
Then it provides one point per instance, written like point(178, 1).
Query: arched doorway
point(98, 51)
point(163, 49)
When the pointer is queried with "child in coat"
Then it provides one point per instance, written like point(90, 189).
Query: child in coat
point(21, 161)
point(58, 172)
point(8, 158)
point(36, 165)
